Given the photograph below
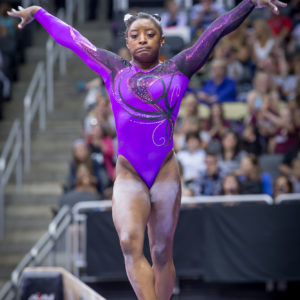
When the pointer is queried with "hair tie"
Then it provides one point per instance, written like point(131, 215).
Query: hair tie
point(157, 17)
point(127, 17)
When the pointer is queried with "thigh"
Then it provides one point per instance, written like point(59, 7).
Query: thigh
point(130, 207)
point(165, 195)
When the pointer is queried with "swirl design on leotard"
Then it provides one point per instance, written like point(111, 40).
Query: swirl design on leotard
point(139, 84)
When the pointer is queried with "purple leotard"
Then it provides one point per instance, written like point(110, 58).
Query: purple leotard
point(145, 103)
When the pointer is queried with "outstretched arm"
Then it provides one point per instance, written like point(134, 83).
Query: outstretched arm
point(101, 61)
point(192, 59)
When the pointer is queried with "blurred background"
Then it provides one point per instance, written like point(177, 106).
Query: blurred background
point(236, 138)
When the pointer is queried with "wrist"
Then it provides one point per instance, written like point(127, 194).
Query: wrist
point(33, 10)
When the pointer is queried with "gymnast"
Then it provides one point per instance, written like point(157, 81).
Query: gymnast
point(145, 96)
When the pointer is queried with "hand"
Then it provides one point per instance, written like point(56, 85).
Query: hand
point(25, 14)
point(272, 4)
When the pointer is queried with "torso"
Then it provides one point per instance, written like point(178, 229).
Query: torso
point(145, 106)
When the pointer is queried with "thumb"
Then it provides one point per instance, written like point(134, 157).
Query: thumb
point(22, 24)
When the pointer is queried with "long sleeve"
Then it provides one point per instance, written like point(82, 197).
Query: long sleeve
point(192, 59)
point(101, 61)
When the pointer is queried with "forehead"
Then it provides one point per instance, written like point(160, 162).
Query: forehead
point(143, 24)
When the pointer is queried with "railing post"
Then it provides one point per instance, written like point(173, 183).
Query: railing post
point(41, 95)
point(1, 211)
point(49, 74)
point(69, 12)
point(80, 11)
point(27, 133)
point(62, 61)
point(19, 167)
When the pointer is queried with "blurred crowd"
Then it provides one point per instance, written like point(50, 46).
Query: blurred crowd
point(255, 69)
point(13, 44)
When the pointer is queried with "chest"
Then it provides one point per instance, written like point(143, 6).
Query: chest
point(150, 95)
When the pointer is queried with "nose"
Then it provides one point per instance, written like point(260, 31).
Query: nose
point(143, 39)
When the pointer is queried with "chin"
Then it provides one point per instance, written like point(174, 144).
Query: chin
point(146, 58)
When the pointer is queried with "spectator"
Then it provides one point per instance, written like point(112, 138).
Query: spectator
point(230, 185)
point(262, 43)
point(251, 178)
point(282, 185)
point(102, 150)
point(82, 156)
point(281, 26)
point(289, 84)
point(173, 17)
point(204, 13)
point(209, 181)
point(185, 186)
point(286, 164)
point(220, 88)
point(285, 136)
point(192, 159)
point(293, 45)
point(183, 127)
point(295, 111)
point(216, 125)
point(101, 113)
point(295, 177)
point(85, 188)
point(230, 157)
point(251, 141)
point(190, 104)
point(5, 82)
point(257, 96)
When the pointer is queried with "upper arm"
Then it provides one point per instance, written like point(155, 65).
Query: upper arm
point(101, 61)
point(192, 59)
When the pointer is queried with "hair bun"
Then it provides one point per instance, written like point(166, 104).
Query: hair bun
point(127, 17)
point(157, 17)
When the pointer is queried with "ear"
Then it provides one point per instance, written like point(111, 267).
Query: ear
point(162, 40)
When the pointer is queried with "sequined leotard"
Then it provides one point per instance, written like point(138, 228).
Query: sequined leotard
point(145, 103)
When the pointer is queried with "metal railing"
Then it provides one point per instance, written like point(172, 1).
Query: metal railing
point(287, 197)
point(34, 101)
point(227, 199)
point(45, 252)
point(10, 160)
point(53, 52)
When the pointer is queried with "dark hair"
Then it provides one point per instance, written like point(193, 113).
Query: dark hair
point(237, 146)
point(155, 18)
point(210, 118)
point(192, 135)
point(256, 167)
point(235, 178)
point(211, 153)
point(288, 182)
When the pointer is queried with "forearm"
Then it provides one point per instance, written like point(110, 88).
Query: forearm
point(194, 57)
point(97, 59)
point(59, 30)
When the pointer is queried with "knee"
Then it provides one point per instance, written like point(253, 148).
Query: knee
point(161, 254)
point(130, 244)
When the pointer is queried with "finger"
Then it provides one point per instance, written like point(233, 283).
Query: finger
point(22, 24)
point(12, 14)
point(274, 8)
point(279, 3)
point(20, 8)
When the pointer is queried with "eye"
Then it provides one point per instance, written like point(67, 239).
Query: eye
point(133, 36)
point(151, 35)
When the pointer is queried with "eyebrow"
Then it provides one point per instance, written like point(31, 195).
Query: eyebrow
point(148, 29)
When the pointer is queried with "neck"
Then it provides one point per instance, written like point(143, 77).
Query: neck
point(146, 65)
